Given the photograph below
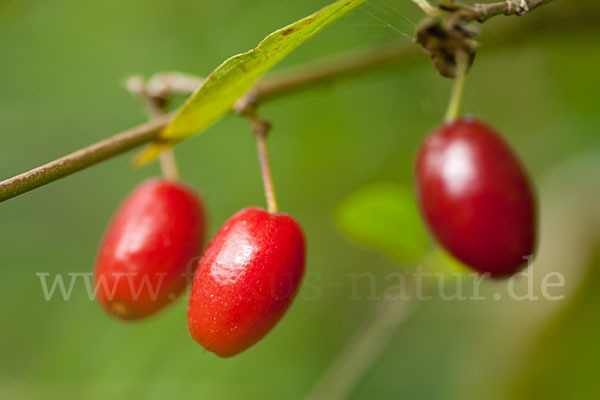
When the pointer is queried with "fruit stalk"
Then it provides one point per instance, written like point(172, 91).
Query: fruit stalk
point(261, 130)
point(296, 79)
point(137, 86)
point(168, 165)
point(458, 91)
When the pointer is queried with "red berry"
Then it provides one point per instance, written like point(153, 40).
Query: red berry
point(246, 280)
point(150, 244)
point(476, 197)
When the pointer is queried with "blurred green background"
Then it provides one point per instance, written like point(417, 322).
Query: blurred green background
point(62, 64)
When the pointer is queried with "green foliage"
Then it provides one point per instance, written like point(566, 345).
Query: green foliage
point(441, 262)
point(332, 138)
point(232, 79)
point(384, 217)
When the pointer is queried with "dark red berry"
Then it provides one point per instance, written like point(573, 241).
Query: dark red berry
point(476, 197)
point(150, 249)
point(246, 280)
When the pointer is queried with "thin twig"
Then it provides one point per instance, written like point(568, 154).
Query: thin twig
point(267, 89)
point(483, 12)
point(313, 74)
point(101, 151)
point(427, 8)
point(154, 103)
point(137, 86)
point(167, 84)
point(366, 346)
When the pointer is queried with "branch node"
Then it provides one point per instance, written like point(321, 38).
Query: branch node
point(167, 84)
point(137, 86)
point(261, 127)
point(183, 84)
point(509, 7)
point(523, 8)
point(444, 40)
point(154, 105)
point(247, 104)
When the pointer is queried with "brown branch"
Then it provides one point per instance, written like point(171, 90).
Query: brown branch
point(483, 12)
point(267, 89)
point(101, 151)
point(154, 103)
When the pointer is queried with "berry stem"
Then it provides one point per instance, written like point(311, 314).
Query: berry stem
point(261, 129)
point(154, 107)
point(168, 165)
point(454, 107)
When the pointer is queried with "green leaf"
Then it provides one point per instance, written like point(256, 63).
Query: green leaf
point(232, 79)
point(439, 261)
point(384, 217)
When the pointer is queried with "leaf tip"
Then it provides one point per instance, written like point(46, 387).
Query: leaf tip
point(149, 154)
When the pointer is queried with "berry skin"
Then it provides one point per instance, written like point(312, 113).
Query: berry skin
point(476, 197)
point(246, 280)
point(152, 241)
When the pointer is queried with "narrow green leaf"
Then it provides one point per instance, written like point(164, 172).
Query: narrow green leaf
point(384, 217)
point(232, 79)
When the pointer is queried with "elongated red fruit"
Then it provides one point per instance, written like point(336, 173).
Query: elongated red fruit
point(246, 280)
point(150, 249)
point(476, 197)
